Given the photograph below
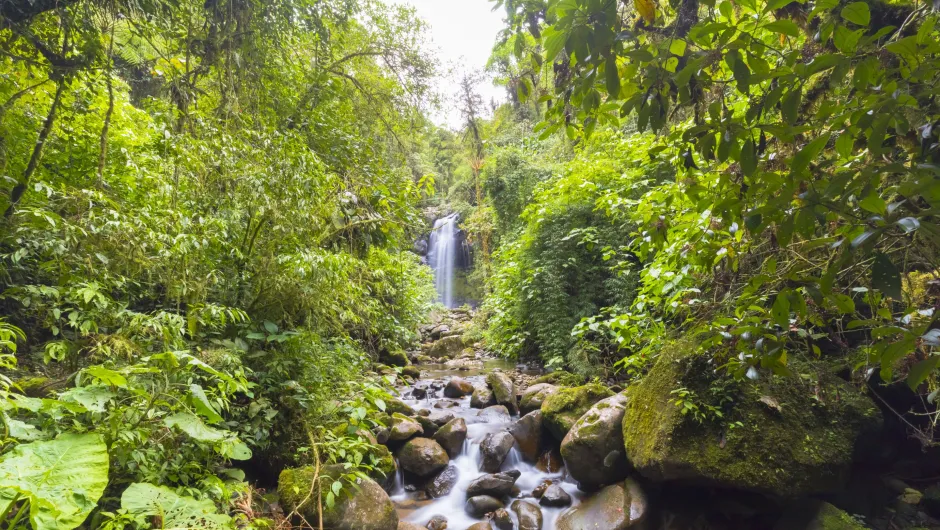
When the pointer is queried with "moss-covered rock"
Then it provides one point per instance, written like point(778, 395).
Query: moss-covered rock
point(394, 357)
point(402, 428)
point(535, 395)
point(446, 347)
point(35, 386)
point(394, 405)
point(411, 371)
point(593, 449)
point(791, 437)
point(563, 408)
point(560, 378)
point(363, 507)
point(423, 457)
point(504, 390)
point(817, 515)
point(384, 467)
point(619, 506)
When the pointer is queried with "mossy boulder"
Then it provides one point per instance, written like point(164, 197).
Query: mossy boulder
point(402, 428)
point(384, 467)
point(534, 396)
point(792, 436)
point(394, 357)
point(423, 457)
point(562, 409)
point(446, 347)
point(452, 436)
point(560, 378)
point(37, 386)
point(617, 507)
point(363, 506)
point(593, 448)
point(394, 405)
point(482, 398)
point(411, 371)
point(817, 515)
point(504, 390)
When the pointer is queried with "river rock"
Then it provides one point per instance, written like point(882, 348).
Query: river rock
point(502, 520)
point(529, 515)
point(365, 507)
point(394, 357)
point(528, 434)
point(616, 507)
point(562, 409)
point(423, 457)
point(439, 331)
point(446, 404)
point(441, 417)
point(503, 389)
point(443, 482)
point(419, 393)
point(458, 387)
point(452, 436)
point(411, 371)
point(438, 522)
point(816, 515)
point(482, 525)
point(446, 347)
point(405, 525)
point(402, 428)
point(393, 405)
point(482, 398)
point(428, 427)
point(494, 485)
point(481, 505)
point(494, 448)
point(555, 496)
point(593, 448)
point(495, 414)
point(386, 469)
point(796, 441)
point(535, 395)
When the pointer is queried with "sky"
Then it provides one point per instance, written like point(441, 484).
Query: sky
point(462, 33)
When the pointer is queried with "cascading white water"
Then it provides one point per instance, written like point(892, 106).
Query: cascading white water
point(442, 257)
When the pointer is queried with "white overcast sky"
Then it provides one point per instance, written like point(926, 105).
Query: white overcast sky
point(462, 33)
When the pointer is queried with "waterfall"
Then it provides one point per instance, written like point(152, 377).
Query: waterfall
point(442, 257)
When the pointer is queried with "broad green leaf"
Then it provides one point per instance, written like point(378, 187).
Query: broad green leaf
point(145, 501)
point(919, 372)
point(876, 138)
point(885, 276)
point(553, 42)
point(194, 427)
point(790, 104)
point(843, 303)
point(857, 13)
point(874, 204)
point(108, 377)
point(62, 479)
point(677, 47)
point(807, 154)
point(781, 309)
point(783, 26)
point(202, 404)
point(93, 397)
point(748, 158)
point(613, 77)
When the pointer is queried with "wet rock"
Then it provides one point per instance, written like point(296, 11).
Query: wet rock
point(482, 398)
point(465, 364)
point(411, 371)
point(458, 387)
point(550, 462)
point(441, 417)
point(381, 434)
point(438, 522)
point(616, 507)
point(495, 484)
point(482, 525)
point(446, 404)
point(393, 405)
point(495, 414)
point(555, 497)
point(452, 436)
point(494, 448)
point(481, 505)
point(503, 389)
point(419, 393)
point(801, 448)
point(529, 515)
point(439, 331)
point(562, 409)
point(535, 395)
point(404, 525)
point(383, 472)
point(366, 507)
point(423, 457)
point(428, 427)
point(501, 520)
point(443, 482)
point(394, 358)
point(402, 428)
point(424, 412)
point(540, 489)
point(446, 347)
point(528, 434)
point(593, 449)
point(816, 515)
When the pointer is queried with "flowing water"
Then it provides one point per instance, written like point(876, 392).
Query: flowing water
point(442, 256)
point(467, 463)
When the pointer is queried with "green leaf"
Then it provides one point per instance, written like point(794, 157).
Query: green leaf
point(919, 372)
point(194, 427)
point(885, 276)
point(108, 377)
point(677, 47)
point(790, 105)
point(613, 77)
point(843, 303)
point(62, 479)
point(876, 138)
point(785, 27)
point(553, 42)
point(846, 40)
point(202, 404)
point(874, 204)
point(145, 501)
point(93, 397)
point(781, 309)
point(807, 154)
point(748, 158)
point(857, 13)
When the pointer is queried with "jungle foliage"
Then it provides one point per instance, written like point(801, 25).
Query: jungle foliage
point(202, 249)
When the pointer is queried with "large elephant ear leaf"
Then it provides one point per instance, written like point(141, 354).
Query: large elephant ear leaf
point(61, 479)
point(143, 501)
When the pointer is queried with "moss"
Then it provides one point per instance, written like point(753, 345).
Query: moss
point(805, 446)
point(363, 506)
point(562, 409)
point(396, 357)
point(394, 405)
point(561, 378)
point(384, 468)
point(35, 386)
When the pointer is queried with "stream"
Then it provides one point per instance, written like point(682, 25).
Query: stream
point(414, 506)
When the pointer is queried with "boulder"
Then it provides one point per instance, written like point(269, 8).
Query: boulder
point(555, 496)
point(394, 358)
point(528, 434)
point(482, 398)
point(428, 426)
point(616, 507)
point(795, 439)
point(560, 378)
point(419, 393)
point(481, 505)
point(495, 414)
point(402, 428)
point(502, 520)
point(562, 409)
point(593, 448)
point(443, 482)
point(439, 331)
point(385, 470)
point(482, 525)
point(529, 515)
point(363, 507)
point(495, 485)
point(535, 395)
point(405, 525)
point(446, 347)
point(503, 389)
point(438, 522)
point(411, 371)
point(393, 405)
point(494, 448)
point(457, 387)
point(423, 457)
point(817, 515)
point(452, 436)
